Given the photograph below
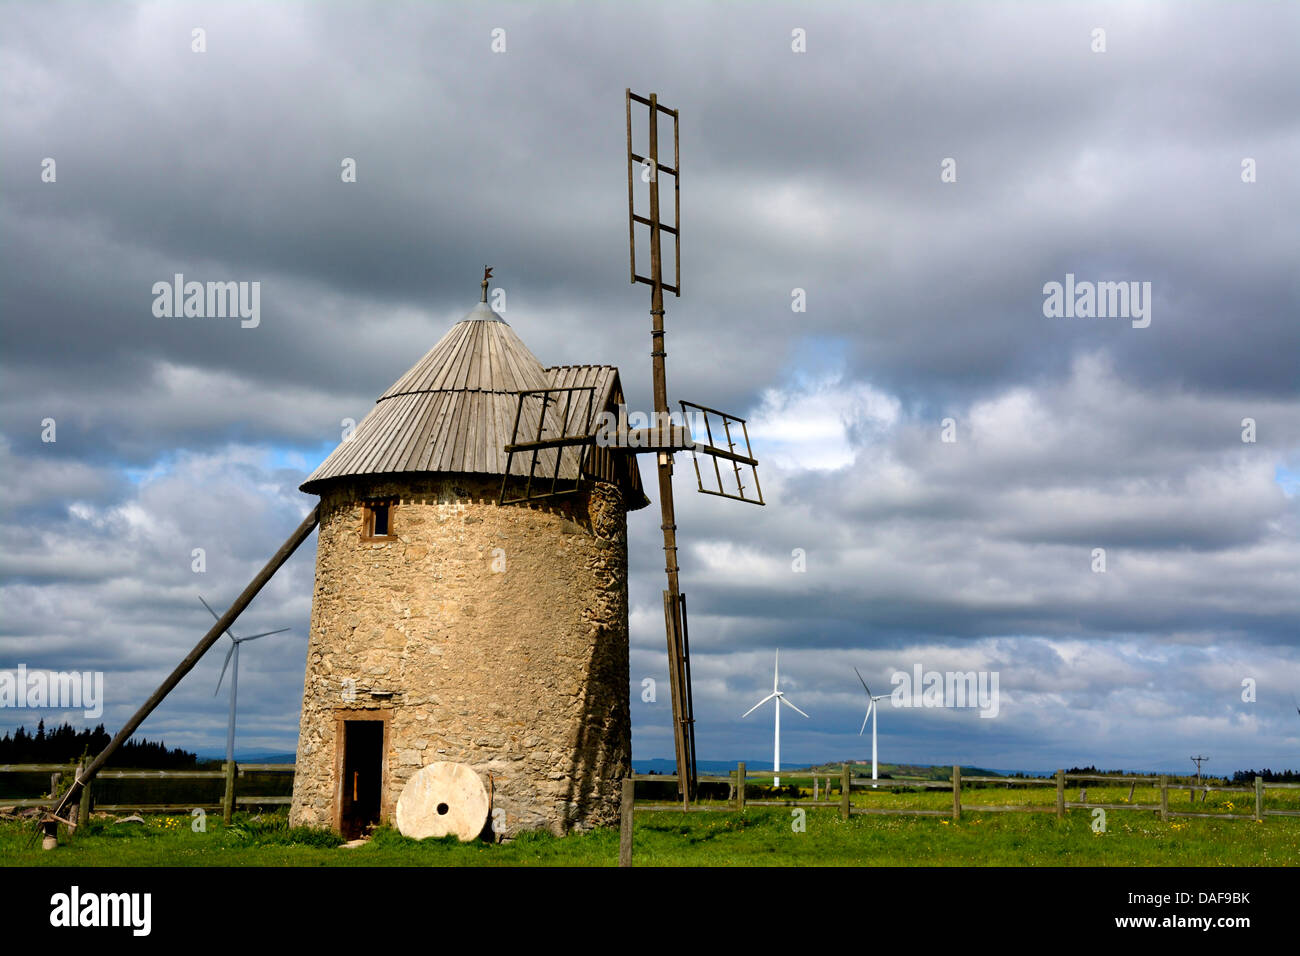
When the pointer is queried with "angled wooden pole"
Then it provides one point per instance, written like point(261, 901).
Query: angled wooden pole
point(245, 598)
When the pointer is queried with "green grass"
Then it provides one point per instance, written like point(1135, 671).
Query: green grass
point(760, 836)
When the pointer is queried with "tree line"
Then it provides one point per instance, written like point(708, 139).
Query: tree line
point(66, 744)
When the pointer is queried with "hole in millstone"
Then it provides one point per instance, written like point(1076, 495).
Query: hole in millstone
point(442, 809)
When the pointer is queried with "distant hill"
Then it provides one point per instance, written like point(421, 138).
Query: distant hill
point(658, 765)
point(923, 771)
point(253, 757)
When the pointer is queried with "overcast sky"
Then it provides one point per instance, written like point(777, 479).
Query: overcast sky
point(820, 171)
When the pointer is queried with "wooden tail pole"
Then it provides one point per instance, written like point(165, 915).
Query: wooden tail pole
point(184, 667)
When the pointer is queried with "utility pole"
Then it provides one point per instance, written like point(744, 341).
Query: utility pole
point(1198, 761)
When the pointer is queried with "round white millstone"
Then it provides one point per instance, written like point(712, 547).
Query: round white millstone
point(443, 799)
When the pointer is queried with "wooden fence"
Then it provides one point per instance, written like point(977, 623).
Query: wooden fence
point(228, 773)
point(823, 780)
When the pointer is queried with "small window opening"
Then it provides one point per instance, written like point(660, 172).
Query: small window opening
point(379, 519)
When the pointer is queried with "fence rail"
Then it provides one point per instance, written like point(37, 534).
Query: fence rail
point(740, 778)
point(228, 772)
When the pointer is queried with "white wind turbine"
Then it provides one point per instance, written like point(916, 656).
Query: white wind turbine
point(871, 715)
point(780, 699)
point(234, 678)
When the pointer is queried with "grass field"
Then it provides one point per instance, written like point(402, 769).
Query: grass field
point(761, 836)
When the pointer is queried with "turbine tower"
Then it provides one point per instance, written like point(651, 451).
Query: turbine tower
point(871, 715)
point(780, 699)
point(234, 678)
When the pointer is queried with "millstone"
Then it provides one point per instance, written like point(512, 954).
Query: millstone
point(442, 799)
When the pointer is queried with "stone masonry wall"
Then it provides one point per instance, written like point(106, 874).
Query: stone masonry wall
point(519, 672)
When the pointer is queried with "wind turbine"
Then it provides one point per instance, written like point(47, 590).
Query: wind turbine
point(871, 715)
point(780, 699)
point(234, 678)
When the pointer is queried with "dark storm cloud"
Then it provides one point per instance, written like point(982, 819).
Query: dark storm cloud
point(816, 171)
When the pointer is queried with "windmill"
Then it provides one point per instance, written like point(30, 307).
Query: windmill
point(871, 714)
point(780, 699)
point(234, 677)
point(561, 437)
point(565, 422)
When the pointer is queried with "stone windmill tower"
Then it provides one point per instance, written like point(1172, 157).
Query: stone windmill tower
point(448, 627)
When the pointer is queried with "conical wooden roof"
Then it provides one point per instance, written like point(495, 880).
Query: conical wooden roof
point(454, 412)
point(480, 353)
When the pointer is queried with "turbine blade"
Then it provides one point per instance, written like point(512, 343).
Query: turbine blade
point(224, 666)
point(215, 615)
point(756, 706)
point(866, 718)
point(776, 673)
point(253, 637)
point(785, 700)
point(864, 683)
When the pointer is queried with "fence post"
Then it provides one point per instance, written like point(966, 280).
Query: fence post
point(846, 785)
point(74, 813)
point(83, 808)
point(740, 785)
point(956, 792)
point(228, 798)
point(1259, 798)
point(1164, 798)
point(1060, 794)
point(625, 822)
